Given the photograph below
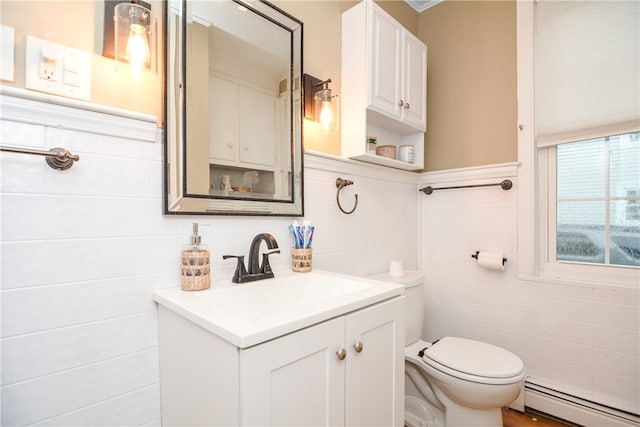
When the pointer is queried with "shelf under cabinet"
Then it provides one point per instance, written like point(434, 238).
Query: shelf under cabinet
point(385, 161)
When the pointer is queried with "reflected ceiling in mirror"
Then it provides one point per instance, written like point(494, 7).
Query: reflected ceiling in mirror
point(233, 123)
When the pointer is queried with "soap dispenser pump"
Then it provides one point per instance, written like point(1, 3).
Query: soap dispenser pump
point(196, 264)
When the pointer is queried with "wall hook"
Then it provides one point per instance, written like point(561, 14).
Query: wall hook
point(340, 184)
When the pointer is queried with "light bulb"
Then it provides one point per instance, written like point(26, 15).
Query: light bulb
point(326, 116)
point(138, 53)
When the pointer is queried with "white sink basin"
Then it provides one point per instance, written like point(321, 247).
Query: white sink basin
point(248, 314)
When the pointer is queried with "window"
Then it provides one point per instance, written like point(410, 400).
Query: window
point(579, 141)
point(597, 189)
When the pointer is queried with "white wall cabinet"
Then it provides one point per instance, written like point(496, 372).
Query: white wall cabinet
point(398, 71)
point(384, 78)
point(242, 146)
point(296, 379)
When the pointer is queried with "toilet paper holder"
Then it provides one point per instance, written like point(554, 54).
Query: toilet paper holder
point(504, 260)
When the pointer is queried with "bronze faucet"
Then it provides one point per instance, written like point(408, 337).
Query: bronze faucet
point(256, 271)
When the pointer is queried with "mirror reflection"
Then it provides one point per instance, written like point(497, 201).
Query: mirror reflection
point(233, 97)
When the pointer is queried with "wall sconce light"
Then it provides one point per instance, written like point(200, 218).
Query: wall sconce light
point(135, 39)
point(319, 104)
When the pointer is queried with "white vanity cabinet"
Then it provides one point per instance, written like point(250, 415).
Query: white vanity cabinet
point(345, 370)
point(384, 78)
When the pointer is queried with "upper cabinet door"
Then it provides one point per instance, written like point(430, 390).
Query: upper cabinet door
point(397, 71)
point(386, 64)
point(257, 143)
point(223, 144)
point(415, 81)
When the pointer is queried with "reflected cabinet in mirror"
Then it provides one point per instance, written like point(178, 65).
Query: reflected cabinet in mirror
point(233, 124)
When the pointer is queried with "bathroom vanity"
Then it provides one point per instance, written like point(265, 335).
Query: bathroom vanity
point(302, 349)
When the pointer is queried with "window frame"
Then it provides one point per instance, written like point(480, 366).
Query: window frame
point(535, 177)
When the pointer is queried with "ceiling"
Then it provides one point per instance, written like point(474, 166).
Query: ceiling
point(422, 5)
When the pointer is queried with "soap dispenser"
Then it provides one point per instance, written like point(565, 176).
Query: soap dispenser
point(196, 268)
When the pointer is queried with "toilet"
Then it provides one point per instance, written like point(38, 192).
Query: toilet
point(452, 381)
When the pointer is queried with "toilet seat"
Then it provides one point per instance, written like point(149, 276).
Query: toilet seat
point(474, 361)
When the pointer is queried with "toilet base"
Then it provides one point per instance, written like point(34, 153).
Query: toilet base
point(418, 413)
point(468, 417)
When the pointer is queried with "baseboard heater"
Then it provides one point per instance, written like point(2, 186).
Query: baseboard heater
point(575, 409)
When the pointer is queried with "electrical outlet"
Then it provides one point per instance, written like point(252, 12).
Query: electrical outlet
point(48, 70)
point(49, 61)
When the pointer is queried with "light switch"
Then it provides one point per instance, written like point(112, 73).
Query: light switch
point(70, 78)
point(7, 36)
point(71, 62)
point(72, 69)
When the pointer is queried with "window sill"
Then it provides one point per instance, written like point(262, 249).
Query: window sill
point(589, 275)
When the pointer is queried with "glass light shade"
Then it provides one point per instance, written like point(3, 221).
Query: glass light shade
point(326, 110)
point(135, 40)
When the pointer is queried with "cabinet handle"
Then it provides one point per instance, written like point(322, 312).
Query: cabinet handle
point(358, 347)
point(406, 106)
point(401, 103)
point(342, 353)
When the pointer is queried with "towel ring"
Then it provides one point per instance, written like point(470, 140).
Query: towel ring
point(340, 184)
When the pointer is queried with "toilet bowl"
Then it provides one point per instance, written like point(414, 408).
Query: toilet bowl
point(464, 382)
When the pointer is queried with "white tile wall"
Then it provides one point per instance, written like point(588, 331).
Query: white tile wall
point(583, 339)
point(83, 249)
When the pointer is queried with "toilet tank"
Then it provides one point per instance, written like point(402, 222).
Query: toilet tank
point(413, 282)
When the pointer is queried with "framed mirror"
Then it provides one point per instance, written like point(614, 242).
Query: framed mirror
point(233, 109)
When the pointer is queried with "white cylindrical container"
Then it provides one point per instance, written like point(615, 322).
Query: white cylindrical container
point(406, 153)
point(396, 269)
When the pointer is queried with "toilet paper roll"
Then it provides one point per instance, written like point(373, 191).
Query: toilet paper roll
point(491, 260)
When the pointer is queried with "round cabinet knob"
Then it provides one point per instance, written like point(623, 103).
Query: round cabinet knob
point(401, 103)
point(406, 106)
point(358, 347)
point(342, 353)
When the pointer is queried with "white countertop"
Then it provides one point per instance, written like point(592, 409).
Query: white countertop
point(250, 313)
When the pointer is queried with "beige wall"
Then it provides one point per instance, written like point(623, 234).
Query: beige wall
point(471, 83)
point(197, 125)
point(471, 116)
point(78, 25)
point(322, 50)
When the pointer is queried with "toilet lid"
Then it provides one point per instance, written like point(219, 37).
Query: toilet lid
point(474, 358)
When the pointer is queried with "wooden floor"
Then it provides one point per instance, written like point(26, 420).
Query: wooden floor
point(511, 418)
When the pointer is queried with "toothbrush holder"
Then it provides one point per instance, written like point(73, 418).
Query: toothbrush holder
point(301, 260)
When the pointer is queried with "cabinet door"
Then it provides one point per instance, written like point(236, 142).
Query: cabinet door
point(415, 81)
point(296, 380)
point(385, 64)
point(223, 144)
point(375, 374)
point(258, 140)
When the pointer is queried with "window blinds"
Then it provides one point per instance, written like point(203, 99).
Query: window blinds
point(587, 69)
